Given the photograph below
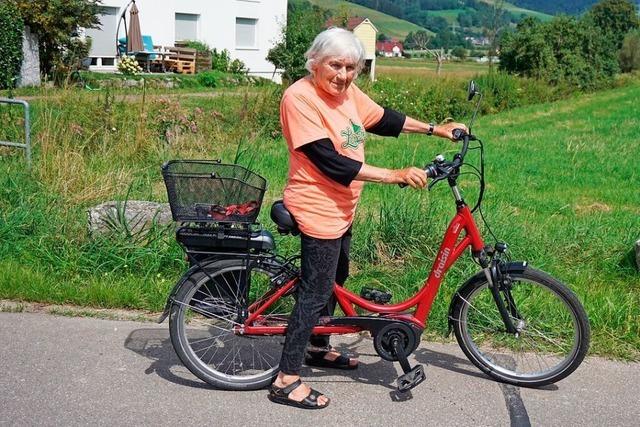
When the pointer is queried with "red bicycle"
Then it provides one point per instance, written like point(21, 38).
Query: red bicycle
point(229, 312)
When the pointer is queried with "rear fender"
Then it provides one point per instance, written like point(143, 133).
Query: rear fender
point(511, 267)
point(178, 285)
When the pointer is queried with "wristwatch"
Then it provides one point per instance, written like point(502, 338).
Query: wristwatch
point(430, 129)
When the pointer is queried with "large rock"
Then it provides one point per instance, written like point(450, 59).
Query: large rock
point(136, 216)
point(30, 68)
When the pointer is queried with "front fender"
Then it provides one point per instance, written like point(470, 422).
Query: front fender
point(510, 267)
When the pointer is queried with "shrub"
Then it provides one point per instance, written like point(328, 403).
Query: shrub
point(71, 60)
point(629, 55)
point(198, 46)
point(11, 29)
point(459, 52)
point(237, 67)
point(221, 61)
point(441, 98)
point(213, 78)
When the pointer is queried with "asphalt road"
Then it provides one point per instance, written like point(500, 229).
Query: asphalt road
point(84, 371)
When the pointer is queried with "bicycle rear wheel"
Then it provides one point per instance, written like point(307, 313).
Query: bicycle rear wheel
point(206, 311)
point(553, 328)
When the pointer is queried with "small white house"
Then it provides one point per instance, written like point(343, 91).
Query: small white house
point(246, 28)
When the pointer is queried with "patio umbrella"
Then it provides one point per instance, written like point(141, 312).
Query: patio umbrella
point(135, 35)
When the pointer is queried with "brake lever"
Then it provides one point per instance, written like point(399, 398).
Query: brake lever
point(434, 181)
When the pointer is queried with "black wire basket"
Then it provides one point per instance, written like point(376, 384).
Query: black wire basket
point(210, 191)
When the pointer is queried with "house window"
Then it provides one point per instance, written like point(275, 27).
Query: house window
point(103, 39)
point(186, 26)
point(246, 32)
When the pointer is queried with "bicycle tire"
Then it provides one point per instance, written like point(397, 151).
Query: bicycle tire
point(201, 323)
point(548, 313)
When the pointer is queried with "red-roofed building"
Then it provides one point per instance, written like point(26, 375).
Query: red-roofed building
point(389, 48)
point(366, 32)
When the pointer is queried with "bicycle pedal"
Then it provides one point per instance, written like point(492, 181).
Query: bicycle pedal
point(411, 379)
point(375, 295)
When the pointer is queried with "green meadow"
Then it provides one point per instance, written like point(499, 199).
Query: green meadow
point(391, 26)
point(562, 190)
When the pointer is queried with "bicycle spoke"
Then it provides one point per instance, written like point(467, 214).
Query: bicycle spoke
point(545, 340)
point(210, 319)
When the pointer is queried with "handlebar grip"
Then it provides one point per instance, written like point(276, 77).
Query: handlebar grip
point(430, 170)
point(458, 134)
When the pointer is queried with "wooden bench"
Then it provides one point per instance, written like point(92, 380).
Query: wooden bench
point(180, 59)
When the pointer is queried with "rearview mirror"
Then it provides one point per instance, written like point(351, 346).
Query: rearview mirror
point(472, 91)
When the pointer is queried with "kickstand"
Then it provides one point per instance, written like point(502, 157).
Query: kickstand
point(412, 376)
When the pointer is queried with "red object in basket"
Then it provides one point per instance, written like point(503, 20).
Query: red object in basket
point(222, 213)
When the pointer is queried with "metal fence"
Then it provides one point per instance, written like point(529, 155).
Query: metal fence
point(26, 145)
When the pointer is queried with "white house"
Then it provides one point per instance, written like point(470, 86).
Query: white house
point(246, 28)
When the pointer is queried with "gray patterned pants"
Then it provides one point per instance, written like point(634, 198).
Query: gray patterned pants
point(324, 262)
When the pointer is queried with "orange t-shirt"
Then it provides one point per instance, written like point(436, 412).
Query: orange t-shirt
point(323, 208)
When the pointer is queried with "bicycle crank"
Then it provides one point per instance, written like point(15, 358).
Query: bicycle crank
point(393, 340)
point(412, 376)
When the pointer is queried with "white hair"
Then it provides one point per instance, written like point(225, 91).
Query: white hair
point(335, 42)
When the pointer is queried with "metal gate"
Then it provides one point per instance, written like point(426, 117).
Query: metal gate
point(26, 145)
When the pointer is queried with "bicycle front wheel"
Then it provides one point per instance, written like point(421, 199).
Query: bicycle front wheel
point(206, 314)
point(552, 335)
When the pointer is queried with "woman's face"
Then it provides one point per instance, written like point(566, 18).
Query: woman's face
point(334, 74)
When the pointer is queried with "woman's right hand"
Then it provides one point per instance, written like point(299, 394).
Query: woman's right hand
point(412, 176)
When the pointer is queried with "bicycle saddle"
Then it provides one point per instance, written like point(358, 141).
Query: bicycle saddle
point(284, 220)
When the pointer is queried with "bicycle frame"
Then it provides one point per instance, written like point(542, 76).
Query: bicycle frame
point(452, 246)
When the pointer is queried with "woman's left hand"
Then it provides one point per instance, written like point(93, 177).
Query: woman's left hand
point(445, 130)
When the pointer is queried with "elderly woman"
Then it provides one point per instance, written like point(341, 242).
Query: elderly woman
point(325, 119)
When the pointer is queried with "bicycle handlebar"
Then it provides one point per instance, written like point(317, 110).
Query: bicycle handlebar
point(439, 170)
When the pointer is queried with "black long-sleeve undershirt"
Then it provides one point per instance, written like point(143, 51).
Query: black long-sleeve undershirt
point(390, 124)
point(324, 156)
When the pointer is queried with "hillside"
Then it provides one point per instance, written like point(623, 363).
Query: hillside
point(520, 9)
point(554, 7)
point(387, 24)
point(451, 15)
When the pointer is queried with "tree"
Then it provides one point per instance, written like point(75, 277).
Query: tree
point(304, 22)
point(629, 55)
point(420, 41)
point(615, 18)
point(526, 50)
point(563, 50)
point(57, 24)
point(459, 52)
point(492, 27)
point(382, 37)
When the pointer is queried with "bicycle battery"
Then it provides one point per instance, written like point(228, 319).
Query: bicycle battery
point(225, 239)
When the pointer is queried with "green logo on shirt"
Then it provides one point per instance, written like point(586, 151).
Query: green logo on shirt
point(353, 136)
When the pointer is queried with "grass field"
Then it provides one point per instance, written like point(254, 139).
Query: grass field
point(416, 68)
point(451, 15)
point(562, 183)
point(387, 24)
point(518, 10)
